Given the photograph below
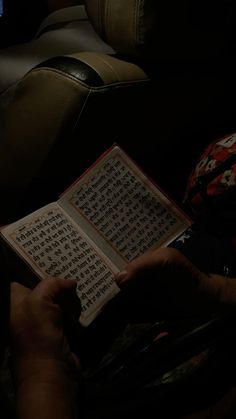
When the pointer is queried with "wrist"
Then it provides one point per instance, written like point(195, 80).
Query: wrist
point(228, 295)
point(44, 371)
point(221, 292)
point(49, 386)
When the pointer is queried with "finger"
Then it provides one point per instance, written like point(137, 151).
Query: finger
point(53, 288)
point(61, 292)
point(137, 266)
point(18, 293)
point(153, 260)
point(76, 362)
point(121, 277)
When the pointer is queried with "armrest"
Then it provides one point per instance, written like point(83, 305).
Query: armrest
point(62, 115)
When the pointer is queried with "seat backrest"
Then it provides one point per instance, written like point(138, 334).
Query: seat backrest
point(173, 31)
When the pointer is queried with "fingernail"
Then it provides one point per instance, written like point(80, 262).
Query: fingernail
point(119, 278)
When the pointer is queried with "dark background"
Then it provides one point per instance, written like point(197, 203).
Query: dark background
point(21, 18)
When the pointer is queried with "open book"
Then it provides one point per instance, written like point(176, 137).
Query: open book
point(109, 216)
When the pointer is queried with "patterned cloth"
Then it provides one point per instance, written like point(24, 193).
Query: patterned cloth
point(215, 172)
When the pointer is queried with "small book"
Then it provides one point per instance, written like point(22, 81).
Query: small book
point(110, 215)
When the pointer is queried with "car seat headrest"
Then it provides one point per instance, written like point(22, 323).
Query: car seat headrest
point(170, 31)
point(126, 25)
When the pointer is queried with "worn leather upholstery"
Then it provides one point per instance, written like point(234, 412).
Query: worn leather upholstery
point(65, 31)
point(59, 118)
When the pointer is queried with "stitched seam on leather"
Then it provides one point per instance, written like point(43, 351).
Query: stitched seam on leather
point(134, 23)
point(99, 16)
point(81, 110)
point(137, 22)
point(126, 85)
point(14, 83)
point(107, 17)
point(122, 84)
point(68, 76)
point(140, 40)
point(108, 65)
point(102, 18)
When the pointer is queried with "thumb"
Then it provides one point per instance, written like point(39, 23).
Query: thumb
point(121, 278)
point(128, 275)
point(18, 293)
point(52, 289)
point(129, 278)
point(61, 292)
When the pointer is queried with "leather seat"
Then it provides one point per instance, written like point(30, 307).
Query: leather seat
point(160, 96)
point(58, 118)
point(65, 31)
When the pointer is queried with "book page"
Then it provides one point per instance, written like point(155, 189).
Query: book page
point(53, 246)
point(121, 209)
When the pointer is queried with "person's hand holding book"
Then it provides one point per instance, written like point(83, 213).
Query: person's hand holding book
point(164, 281)
point(47, 373)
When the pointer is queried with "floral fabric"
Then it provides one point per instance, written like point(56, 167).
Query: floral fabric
point(214, 156)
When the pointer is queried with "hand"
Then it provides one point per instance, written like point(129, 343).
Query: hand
point(36, 322)
point(165, 282)
point(47, 373)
